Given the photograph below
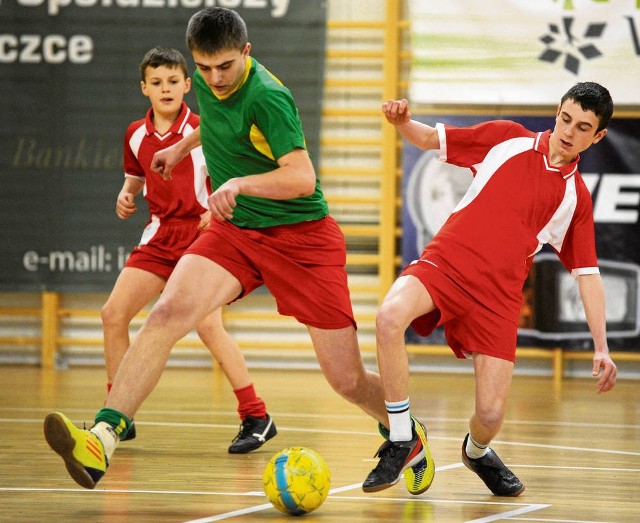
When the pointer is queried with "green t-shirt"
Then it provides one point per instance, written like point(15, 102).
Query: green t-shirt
point(244, 134)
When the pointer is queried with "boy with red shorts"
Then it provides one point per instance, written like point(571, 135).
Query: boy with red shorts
point(179, 212)
point(271, 226)
point(526, 192)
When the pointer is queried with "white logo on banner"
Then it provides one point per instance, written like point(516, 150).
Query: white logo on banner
point(522, 52)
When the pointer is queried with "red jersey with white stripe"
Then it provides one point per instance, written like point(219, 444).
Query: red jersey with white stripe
point(516, 203)
point(185, 195)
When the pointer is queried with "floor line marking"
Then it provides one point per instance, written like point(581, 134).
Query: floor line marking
point(507, 515)
point(546, 520)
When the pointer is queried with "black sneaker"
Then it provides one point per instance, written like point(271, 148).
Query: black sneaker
point(496, 476)
point(131, 433)
point(254, 432)
point(395, 458)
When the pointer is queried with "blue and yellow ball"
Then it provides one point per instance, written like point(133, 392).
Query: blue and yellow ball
point(296, 480)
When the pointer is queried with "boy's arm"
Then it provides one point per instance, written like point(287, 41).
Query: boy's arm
point(592, 294)
point(421, 135)
point(165, 160)
point(293, 178)
point(125, 203)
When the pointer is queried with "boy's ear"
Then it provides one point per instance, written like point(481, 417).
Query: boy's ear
point(143, 88)
point(187, 85)
point(599, 135)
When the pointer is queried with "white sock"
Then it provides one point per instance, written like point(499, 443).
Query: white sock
point(474, 450)
point(399, 420)
point(107, 437)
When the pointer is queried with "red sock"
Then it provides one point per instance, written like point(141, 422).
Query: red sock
point(249, 404)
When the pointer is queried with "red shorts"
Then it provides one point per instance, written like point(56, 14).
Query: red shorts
point(468, 325)
point(303, 265)
point(162, 244)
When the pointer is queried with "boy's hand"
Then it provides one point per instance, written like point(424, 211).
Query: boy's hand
point(164, 161)
point(126, 205)
point(205, 220)
point(396, 111)
point(223, 200)
point(602, 360)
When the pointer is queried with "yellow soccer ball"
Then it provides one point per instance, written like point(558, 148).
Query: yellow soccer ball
point(296, 480)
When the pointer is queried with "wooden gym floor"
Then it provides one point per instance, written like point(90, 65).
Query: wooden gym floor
point(577, 453)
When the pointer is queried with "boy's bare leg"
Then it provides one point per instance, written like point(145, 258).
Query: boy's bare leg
point(133, 289)
point(224, 349)
point(196, 288)
point(493, 382)
point(341, 362)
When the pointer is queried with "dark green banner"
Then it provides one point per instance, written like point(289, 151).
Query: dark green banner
point(70, 86)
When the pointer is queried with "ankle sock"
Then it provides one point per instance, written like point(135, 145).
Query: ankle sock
point(400, 424)
point(474, 450)
point(107, 437)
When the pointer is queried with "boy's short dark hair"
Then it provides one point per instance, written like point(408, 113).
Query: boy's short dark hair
point(592, 97)
point(166, 56)
point(216, 29)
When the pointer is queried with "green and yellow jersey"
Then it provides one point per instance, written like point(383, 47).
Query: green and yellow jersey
point(244, 133)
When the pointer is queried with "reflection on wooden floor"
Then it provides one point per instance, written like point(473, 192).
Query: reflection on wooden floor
point(577, 453)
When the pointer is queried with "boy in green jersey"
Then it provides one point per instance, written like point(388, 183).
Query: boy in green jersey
point(270, 226)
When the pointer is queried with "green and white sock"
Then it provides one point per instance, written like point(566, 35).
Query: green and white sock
point(110, 426)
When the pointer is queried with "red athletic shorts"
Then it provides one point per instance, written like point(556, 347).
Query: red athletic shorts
point(303, 265)
point(468, 325)
point(162, 244)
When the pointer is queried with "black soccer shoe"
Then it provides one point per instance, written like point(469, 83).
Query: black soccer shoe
point(495, 474)
point(395, 457)
point(254, 432)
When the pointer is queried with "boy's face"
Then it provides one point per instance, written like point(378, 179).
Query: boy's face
point(574, 132)
point(165, 87)
point(223, 71)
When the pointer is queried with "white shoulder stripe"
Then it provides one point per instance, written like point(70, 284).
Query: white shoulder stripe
point(185, 121)
point(200, 173)
point(136, 139)
point(495, 158)
point(555, 230)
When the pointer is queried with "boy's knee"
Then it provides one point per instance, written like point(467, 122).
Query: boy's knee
point(491, 416)
point(112, 316)
point(348, 386)
point(162, 313)
point(388, 322)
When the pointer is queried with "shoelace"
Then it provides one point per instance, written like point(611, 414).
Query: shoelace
point(387, 449)
point(240, 433)
point(245, 431)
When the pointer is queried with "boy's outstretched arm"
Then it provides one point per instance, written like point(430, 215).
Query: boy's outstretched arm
point(421, 135)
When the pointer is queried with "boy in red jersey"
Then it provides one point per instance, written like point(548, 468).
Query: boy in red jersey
point(178, 214)
point(526, 192)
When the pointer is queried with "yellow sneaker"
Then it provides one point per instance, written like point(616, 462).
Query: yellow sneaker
point(81, 450)
point(419, 477)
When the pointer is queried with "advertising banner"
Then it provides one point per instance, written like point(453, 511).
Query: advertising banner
point(552, 313)
point(522, 52)
point(70, 85)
